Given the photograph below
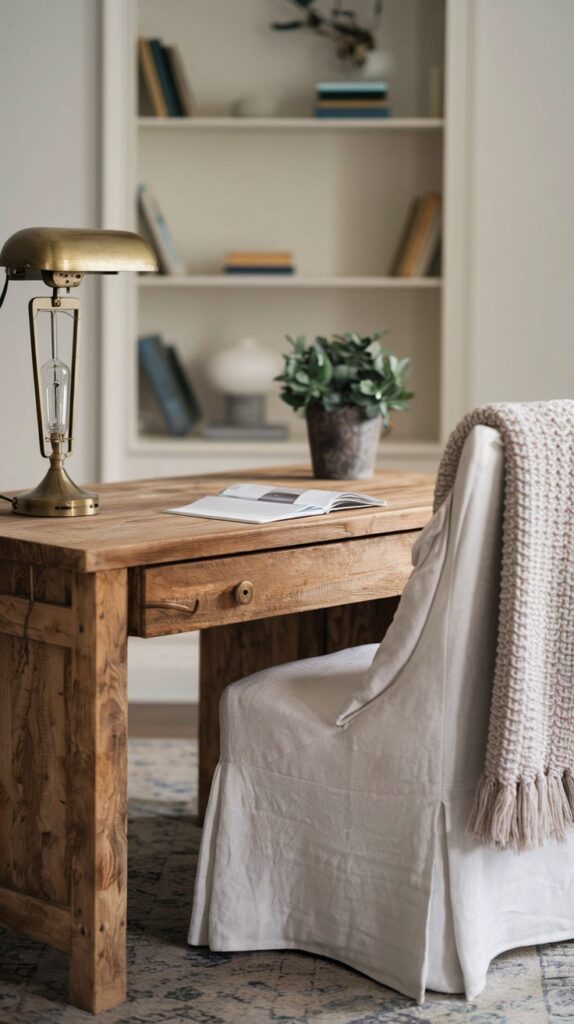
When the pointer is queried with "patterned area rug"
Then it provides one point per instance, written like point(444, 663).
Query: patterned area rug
point(170, 982)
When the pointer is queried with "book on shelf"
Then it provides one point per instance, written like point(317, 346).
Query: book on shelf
point(357, 112)
point(163, 372)
point(164, 73)
point(250, 261)
point(164, 247)
point(417, 252)
point(344, 104)
point(259, 269)
point(149, 78)
point(264, 503)
point(180, 80)
point(165, 86)
point(352, 99)
point(182, 379)
point(351, 89)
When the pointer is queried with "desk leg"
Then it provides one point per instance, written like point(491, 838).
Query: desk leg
point(97, 829)
point(63, 642)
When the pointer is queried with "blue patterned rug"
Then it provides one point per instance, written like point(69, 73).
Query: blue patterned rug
point(169, 982)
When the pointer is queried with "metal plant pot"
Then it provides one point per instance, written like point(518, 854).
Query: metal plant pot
point(343, 443)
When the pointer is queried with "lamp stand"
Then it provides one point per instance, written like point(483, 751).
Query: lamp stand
point(56, 494)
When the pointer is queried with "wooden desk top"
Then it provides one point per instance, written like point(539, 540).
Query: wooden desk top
point(132, 528)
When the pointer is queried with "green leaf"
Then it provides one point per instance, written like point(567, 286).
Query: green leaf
point(372, 410)
point(348, 369)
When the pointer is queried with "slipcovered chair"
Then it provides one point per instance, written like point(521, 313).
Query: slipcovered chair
point(337, 817)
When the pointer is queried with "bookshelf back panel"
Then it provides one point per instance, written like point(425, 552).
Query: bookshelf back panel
point(202, 321)
point(230, 51)
point(338, 202)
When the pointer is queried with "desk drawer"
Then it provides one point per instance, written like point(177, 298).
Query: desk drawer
point(216, 591)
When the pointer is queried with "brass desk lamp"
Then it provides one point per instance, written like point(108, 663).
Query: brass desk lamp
point(60, 257)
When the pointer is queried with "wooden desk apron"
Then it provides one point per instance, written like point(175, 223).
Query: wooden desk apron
point(71, 590)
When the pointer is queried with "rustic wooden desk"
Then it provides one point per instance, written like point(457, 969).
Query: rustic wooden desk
point(70, 593)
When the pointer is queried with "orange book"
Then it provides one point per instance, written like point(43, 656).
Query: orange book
point(251, 257)
point(421, 235)
point(409, 228)
point(429, 242)
point(323, 104)
point(150, 79)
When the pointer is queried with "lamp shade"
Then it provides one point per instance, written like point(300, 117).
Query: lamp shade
point(79, 250)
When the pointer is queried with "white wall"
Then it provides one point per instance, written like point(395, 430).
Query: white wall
point(522, 203)
point(49, 175)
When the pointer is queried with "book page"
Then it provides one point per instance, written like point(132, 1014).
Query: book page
point(221, 506)
point(320, 498)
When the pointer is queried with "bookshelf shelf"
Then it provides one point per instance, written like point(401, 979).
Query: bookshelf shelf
point(390, 124)
point(295, 448)
point(294, 281)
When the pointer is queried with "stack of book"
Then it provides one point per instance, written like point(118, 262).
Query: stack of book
point(419, 250)
point(164, 84)
point(250, 261)
point(158, 233)
point(167, 400)
point(352, 99)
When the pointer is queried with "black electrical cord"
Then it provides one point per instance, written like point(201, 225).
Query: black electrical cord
point(4, 497)
point(4, 290)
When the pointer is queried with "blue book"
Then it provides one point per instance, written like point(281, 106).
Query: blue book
point(356, 113)
point(193, 406)
point(166, 81)
point(349, 98)
point(158, 369)
point(258, 270)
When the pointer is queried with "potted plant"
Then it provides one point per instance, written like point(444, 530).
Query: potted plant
point(346, 386)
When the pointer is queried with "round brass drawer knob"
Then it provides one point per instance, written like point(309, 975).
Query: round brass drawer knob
point(243, 592)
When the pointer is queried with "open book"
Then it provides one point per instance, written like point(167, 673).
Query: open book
point(263, 503)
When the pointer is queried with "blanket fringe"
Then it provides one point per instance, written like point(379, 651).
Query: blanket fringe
point(524, 814)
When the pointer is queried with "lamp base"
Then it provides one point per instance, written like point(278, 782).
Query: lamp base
point(56, 496)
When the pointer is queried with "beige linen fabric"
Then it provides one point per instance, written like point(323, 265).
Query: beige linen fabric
point(351, 842)
point(526, 794)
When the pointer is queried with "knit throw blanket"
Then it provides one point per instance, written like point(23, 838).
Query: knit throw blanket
point(526, 794)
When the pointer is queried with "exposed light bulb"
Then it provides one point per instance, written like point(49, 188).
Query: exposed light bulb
point(55, 378)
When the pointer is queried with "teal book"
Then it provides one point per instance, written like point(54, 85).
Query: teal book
point(193, 406)
point(166, 81)
point(157, 366)
point(352, 90)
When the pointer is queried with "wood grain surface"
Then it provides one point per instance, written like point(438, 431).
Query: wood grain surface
point(312, 576)
point(97, 833)
point(40, 920)
point(132, 527)
point(33, 768)
point(64, 588)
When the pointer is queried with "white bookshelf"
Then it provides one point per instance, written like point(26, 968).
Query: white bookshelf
point(336, 192)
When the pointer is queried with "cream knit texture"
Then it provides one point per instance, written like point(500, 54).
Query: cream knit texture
point(526, 794)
